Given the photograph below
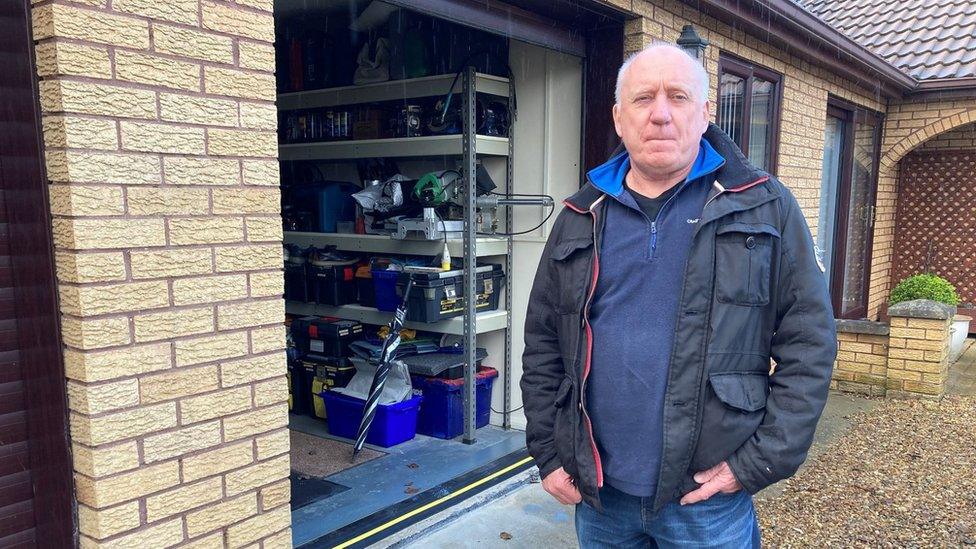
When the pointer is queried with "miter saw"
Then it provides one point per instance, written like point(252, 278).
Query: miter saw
point(440, 190)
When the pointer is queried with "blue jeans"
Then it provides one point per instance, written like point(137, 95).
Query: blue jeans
point(723, 520)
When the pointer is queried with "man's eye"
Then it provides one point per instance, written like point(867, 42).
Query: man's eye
point(680, 97)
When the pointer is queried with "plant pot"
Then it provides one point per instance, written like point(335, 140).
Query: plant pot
point(959, 331)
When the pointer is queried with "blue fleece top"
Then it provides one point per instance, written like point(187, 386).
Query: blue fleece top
point(633, 315)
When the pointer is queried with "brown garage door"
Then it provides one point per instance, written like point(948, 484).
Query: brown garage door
point(35, 471)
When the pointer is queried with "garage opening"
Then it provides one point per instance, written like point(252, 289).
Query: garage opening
point(423, 146)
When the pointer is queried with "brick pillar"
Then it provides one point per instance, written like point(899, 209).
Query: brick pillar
point(918, 357)
point(159, 122)
point(862, 357)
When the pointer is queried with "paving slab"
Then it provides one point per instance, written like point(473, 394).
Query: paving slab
point(531, 519)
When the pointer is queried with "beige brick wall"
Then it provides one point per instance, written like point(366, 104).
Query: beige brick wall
point(159, 121)
point(908, 125)
point(861, 364)
point(962, 137)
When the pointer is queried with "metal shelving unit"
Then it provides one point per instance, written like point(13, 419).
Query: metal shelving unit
point(393, 90)
point(393, 147)
point(469, 146)
point(488, 321)
point(382, 244)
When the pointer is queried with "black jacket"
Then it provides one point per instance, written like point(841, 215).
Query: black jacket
point(752, 291)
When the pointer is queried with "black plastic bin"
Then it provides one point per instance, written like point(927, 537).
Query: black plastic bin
point(296, 283)
point(437, 296)
point(302, 375)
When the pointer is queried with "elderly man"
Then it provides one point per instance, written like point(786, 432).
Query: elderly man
point(668, 282)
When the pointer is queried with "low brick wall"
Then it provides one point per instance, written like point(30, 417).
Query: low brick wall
point(905, 358)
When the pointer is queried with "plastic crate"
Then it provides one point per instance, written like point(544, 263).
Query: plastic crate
point(392, 424)
point(385, 288)
point(442, 414)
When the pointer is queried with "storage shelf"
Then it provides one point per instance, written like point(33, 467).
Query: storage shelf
point(488, 321)
point(395, 147)
point(427, 86)
point(382, 244)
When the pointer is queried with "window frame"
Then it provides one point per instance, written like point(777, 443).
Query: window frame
point(747, 70)
point(852, 114)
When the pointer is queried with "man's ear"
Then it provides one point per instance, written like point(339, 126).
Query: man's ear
point(706, 109)
point(616, 120)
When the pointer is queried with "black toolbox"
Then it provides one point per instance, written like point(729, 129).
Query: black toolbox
point(365, 295)
point(332, 282)
point(325, 337)
point(322, 373)
point(441, 365)
point(440, 295)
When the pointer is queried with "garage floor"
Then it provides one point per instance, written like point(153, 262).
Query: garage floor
point(406, 469)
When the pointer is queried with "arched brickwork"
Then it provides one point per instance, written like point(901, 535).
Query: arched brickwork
point(905, 130)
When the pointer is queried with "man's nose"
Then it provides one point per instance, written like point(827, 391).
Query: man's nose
point(660, 112)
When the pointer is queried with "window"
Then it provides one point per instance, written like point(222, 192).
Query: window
point(748, 109)
point(846, 215)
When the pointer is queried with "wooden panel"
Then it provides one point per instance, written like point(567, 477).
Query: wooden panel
point(14, 458)
point(935, 228)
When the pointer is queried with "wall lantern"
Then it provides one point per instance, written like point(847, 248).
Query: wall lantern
point(693, 43)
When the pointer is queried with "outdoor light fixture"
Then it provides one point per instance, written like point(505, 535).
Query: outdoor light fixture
point(693, 43)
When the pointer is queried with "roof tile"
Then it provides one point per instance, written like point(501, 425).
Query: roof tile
point(923, 38)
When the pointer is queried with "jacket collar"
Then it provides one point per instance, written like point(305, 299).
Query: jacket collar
point(718, 154)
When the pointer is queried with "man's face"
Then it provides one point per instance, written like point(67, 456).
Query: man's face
point(661, 117)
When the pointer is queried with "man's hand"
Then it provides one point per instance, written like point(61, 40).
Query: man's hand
point(714, 480)
point(560, 486)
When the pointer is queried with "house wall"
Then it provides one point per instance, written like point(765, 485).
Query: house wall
point(158, 122)
point(908, 124)
point(962, 137)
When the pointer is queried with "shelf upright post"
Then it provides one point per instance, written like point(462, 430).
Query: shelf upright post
point(509, 224)
point(470, 256)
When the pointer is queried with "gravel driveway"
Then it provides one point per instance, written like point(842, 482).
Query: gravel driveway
point(904, 475)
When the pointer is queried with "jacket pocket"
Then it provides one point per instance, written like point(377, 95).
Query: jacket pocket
point(744, 391)
point(743, 257)
point(571, 263)
point(734, 406)
point(564, 429)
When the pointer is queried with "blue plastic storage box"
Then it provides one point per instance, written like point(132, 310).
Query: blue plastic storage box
point(384, 286)
point(442, 414)
point(334, 203)
point(393, 423)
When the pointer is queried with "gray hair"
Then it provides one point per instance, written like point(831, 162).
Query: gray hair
point(700, 72)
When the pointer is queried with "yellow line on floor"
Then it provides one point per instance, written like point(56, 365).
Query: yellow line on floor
point(434, 503)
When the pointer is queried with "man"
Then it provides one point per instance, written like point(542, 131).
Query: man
point(668, 283)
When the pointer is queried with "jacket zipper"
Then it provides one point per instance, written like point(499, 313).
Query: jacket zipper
point(653, 237)
point(589, 346)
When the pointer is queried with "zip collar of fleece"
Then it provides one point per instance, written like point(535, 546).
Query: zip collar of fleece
point(609, 176)
point(736, 174)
